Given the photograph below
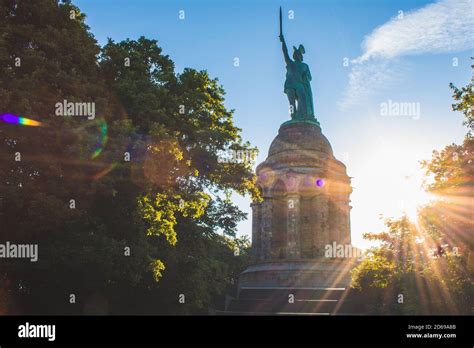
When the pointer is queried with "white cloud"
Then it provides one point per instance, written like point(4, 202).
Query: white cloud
point(442, 27)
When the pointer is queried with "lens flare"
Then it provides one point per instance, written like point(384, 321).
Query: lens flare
point(103, 138)
point(320, 182)
point(13, 119)
point(104, 172)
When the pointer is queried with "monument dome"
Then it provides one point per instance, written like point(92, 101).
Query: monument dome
point(300, 136)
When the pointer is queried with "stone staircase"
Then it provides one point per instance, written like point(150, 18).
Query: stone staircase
point(286, 301)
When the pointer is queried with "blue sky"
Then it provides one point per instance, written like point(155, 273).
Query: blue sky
point(407, 57)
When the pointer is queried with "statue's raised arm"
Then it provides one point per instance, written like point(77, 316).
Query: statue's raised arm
point(285, 50)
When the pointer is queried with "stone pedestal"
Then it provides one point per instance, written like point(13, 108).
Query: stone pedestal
point(318, 274)
point(305, 207)
point(306, 197)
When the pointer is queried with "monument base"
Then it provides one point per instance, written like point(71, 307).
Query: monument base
point(296, 287)
point(317, 273)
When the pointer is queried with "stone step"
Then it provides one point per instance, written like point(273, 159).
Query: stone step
point(282, 306)
point(284, 293)
point(266, 313)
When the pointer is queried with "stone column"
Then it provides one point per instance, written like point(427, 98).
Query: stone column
point(339, 222)
point(333, 217)
point(293, 238)
point(346, 234)
point(320, 221)
point(306, 227)
point(256, 228)
point(341, 216)
point(266, 230)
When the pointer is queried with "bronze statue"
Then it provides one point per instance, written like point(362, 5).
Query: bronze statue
point(297, 84)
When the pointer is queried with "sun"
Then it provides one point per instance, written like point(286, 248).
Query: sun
point(413, 197)
point(387, 180)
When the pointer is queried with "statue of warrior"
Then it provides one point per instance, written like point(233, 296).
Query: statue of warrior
point(297, 84)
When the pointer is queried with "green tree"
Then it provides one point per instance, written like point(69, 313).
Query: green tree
point(449, 176)
point(191, 205)
point(464, 98)
point(404, 274)
point(389, 268)
point(429, 263)
point(137, 222)
point(47, 55)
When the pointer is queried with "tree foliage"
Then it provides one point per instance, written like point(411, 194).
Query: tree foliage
point(167, 206)
point(464, 98)
point(429, 263)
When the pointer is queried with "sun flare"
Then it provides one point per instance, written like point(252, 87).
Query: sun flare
point(388, 182)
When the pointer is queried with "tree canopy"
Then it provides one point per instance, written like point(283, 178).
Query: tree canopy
point(130, 209)
point(428, 262)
